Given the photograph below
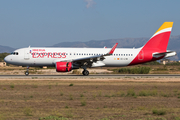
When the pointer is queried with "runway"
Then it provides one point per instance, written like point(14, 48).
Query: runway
point(107, 76)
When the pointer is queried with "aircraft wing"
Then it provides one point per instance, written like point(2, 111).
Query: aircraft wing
point(96, 57)
point(88, 61)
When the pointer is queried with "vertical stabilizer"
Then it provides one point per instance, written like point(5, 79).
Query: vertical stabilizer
point(157, 44)
point(160, 39)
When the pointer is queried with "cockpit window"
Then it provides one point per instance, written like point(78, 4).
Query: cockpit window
point(14, 53)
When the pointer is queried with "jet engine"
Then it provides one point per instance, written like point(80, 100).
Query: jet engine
point(63, 66)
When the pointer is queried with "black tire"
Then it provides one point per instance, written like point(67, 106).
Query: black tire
point(85, 73)
point(26, 73)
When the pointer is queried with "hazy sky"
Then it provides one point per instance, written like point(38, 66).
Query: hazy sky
point(48, 22)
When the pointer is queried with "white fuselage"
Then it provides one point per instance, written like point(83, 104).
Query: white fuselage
point(34, 56)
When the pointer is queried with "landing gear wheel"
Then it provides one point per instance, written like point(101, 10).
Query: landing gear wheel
point(26, 73)
point(85, 73)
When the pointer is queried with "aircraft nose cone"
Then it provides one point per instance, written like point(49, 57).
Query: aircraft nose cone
point(7, 59)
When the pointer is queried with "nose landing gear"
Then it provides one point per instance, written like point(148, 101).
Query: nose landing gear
point(27, 71)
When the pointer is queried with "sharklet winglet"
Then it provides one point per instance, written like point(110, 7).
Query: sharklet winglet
point(113, 48)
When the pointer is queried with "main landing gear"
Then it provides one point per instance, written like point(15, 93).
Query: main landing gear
point(85, 72)
point(27, 71)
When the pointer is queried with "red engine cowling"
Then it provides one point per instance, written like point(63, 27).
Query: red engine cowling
point(63, 66)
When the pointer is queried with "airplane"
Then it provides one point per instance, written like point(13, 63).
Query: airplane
point(67, 59)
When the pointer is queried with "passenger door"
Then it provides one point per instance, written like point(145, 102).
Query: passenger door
point(26, 54)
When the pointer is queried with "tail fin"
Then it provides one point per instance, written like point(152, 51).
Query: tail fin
point(159, 41)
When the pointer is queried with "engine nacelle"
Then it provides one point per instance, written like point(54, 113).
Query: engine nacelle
point(63, 66)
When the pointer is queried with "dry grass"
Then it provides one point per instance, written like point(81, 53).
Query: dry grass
point(103, 100)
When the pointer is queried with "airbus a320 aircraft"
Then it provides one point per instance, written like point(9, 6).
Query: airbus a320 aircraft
point(67, 59)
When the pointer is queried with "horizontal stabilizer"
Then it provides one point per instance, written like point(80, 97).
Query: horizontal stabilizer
point(165, 54)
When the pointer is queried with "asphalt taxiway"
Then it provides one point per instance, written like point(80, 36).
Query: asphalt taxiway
point(107, 76)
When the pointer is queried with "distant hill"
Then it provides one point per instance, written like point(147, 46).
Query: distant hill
point(174, 44)
point(123, 42)
point(6, 49)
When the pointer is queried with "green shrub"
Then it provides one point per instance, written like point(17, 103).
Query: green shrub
point(148, 93)
point(71, 84)
point(109, 96)
point(35, 86)
point(28, 111)
point(83, 102)
point(2, 56)
point(152, 63)
point(12, 86)
point(53, 118)
point(159, 111)
point(131, 92)
point(174, 63)
point(70, 97)
point(135, 70)
point(143, 93)
point(81, 95)
point(61, 93)
point(153, 93)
